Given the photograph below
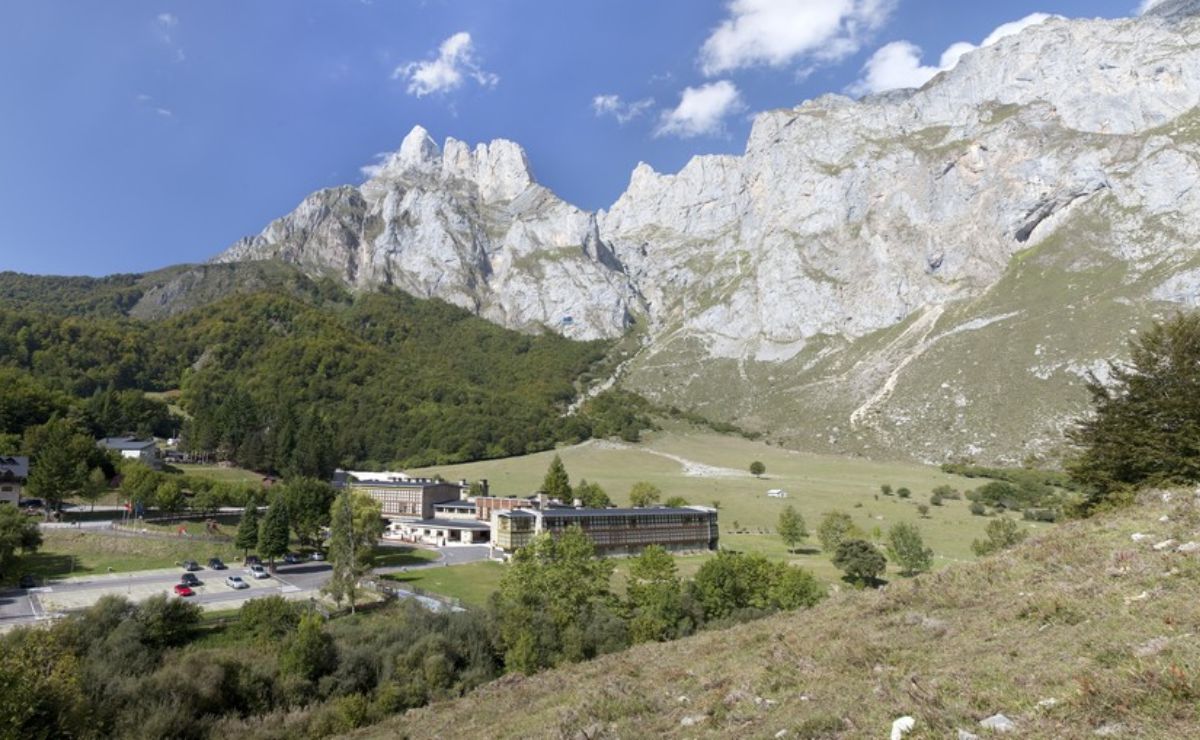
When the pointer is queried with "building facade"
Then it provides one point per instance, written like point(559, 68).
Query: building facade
point(613, 531)
point(14, 472)
point(131, 448)
point(412, 498)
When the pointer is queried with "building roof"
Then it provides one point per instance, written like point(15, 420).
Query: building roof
point(125, 443)
point(448, 524)
point(410, 483)
point(14, 467)
point(572, 513)
point(461, 505)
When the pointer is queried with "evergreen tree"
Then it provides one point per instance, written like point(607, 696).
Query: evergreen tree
point(791, 527)
point(1145, 423)
point(273, 533)
point(557, 484)
point(247, 533)
point(860, 561)
point(907, 549)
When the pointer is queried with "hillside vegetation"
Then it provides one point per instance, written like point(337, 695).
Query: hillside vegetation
point(294, 379)
point(1082, 631)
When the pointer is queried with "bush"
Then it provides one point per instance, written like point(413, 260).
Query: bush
point(1002, 533)
point(978, 509)
point(835, 528)
point(886, 489)
point(860, 561)
point(270, 618)
point(935, 499)
point(923, 510)
point(903, 492)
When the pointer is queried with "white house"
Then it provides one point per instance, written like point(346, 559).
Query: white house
point(776, 493)
point(14, 471)
point(131, 448)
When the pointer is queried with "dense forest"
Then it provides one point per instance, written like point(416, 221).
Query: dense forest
point(297, 381)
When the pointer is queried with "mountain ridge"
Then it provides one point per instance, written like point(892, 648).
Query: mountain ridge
point(812, 286)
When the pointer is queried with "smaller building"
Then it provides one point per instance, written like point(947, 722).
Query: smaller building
point(132, 448)
point(776, 493)
point(14, 473)
point(455, 510)
point(439, 532)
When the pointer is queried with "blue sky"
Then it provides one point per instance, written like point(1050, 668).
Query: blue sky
point(135, 135)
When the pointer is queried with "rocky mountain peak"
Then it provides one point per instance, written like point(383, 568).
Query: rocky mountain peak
point(418, 151)
point(1174, 9)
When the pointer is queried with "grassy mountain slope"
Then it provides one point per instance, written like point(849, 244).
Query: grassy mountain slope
point(1079, 630)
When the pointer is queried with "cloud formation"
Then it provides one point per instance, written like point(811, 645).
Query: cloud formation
point(778, 32)
point(898, 64)
point(454, 64)
point(624, 112)
point(701, 110)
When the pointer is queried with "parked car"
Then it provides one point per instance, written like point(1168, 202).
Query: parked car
point(189, 579)
point(291, 558)
point(26, 581)
point(183, 590)
point(259, 572)
point(236, 582)
point(253, 560)
point(216, 564)
point(316, 555)
point(31, 503)
point(190, 565)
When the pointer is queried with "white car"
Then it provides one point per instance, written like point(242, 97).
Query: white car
point(258, 571)
point(236, 582)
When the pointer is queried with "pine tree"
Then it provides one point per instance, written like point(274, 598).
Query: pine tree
point(557, 484)
point(247, 534)
point(274, 532)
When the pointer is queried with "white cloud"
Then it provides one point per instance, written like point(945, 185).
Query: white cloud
point(777, 32)
point(167, 20)
point(898, 64)
point(455, 63)
point(1148, 5)
point(701, 110)
point(371, 170)
point(164, 112)
point(165, 25)
point(624, 112)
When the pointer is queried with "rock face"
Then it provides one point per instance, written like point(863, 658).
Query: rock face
point(469, 227)
point(932, 272)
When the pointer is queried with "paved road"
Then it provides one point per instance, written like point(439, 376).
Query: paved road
point(299, 581)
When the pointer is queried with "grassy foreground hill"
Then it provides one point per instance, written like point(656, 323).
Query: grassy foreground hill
point(1083, 631)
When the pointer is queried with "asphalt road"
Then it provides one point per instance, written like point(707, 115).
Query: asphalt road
point(20, 606)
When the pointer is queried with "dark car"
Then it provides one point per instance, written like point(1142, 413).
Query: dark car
point(190, 565)
point(31, 503)
point(216, 564)
point(189, 579)
point(26, 581)
point(253, 560)
point(291, 558)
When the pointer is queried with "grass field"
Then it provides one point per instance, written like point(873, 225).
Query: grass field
point(66, 553)
point(220, 473)
point(674, 460)
point(391, 556)
point(471, 583)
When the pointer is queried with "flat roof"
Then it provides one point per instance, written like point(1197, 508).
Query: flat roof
point(411, 483)
point(455, 505)
point(585, 513)
point(126, 443)
point(447, 524)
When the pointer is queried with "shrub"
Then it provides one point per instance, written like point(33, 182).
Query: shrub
point(835, 528)
point(935, 499)
point(903, 492)
point(886, 489)
point(860, 561)
point(1002, 533)
point(923, 509)
point(978, 509)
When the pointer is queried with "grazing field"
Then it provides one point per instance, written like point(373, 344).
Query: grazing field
point(391, 556)
point(471, 583)
point(705, 467)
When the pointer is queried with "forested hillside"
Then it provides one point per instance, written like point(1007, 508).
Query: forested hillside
point(294, 378)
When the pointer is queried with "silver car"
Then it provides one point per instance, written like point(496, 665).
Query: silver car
point(236, 582)
point(259, 572)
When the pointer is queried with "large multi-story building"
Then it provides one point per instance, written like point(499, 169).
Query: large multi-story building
point(412, 497)
point(612, 531)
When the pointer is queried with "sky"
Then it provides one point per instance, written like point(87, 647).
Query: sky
point(136, 134)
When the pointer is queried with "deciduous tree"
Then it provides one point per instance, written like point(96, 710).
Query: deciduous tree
point(644, 494)
point(860, 561)
point(791, 527)
point(356, 524)
point(907, 549)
